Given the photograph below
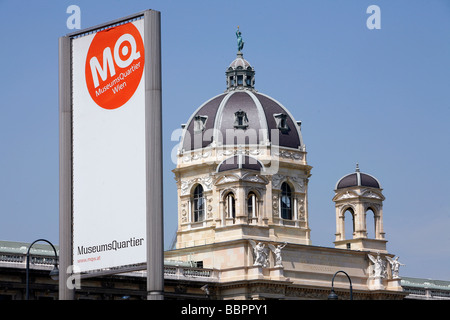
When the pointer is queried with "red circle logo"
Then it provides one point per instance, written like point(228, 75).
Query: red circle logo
point(114, 65)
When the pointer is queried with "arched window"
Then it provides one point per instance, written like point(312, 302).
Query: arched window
point(198, 204)
point(252, 207)
point(349, 223)
point(286, 201)
point(230, 205)
point(371, 226)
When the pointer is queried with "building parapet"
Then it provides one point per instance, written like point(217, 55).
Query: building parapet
point(16, 258)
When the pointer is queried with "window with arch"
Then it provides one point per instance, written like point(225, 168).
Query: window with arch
point(286, 201)
point(230, 203)
point(198, 204)
point(349, 223)
point(252, 207)
point(371, 225)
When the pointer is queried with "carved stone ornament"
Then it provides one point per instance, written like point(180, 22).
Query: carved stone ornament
point(232, 151)
point(370, 194)
point(301, 210)
point(346, 195)
point(184, 212)
point(210, 207)
point(253, 178)
point(299, 183)
point(355, 194)
point(272, 289)
point(186, 185)
point(276, 180)
point(196, 156)
point(227, 179)
point(275, 205)
point(289, 155)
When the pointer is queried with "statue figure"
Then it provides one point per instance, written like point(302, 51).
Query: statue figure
point(395, 266)
point(277, 252)
point(240, 42)
point(261, 254)
point(379, 268)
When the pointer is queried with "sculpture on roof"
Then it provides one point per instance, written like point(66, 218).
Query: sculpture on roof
point(240, 42)
point(395, 266)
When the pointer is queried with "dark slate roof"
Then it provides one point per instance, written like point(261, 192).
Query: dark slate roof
point(358, 179)
point(239, 162)
point(220, 115)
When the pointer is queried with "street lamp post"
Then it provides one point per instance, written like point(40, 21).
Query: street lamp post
point(53, 274)
point(333, 295)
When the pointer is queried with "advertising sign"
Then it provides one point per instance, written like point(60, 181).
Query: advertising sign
point(109, 148)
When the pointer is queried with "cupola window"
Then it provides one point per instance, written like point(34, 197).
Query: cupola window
point(248, 81)
point(199, 123)
point(240, 80)
point(281, 120)
point(240, 120)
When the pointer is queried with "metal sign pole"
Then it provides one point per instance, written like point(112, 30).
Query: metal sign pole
point(65, 167)
point(153, 119)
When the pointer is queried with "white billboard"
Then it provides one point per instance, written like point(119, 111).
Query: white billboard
point(109, 151)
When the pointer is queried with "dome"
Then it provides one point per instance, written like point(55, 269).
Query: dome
point(241, 116)
point(357, 179)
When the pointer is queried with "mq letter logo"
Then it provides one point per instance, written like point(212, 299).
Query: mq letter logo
point(114, 65)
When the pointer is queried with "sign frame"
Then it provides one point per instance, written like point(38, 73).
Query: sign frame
point(153, 157)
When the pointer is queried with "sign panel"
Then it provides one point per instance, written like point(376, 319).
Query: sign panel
point(109, 153)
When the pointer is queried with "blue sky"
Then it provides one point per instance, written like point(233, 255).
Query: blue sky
point(377, 97)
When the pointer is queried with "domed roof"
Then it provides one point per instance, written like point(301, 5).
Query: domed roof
point(240, 62)
point(357, 179)
point(240, 162)
point(241, 117)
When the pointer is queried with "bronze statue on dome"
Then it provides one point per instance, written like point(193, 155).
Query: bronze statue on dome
point(240, 42)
